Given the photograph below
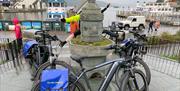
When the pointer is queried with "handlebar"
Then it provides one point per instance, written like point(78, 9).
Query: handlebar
point(44, 34)
point(143, 37)
point(112, 34)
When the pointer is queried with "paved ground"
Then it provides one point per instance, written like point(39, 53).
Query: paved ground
point(19, 79)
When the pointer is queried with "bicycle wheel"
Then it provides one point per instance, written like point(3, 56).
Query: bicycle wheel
point(58, 65)
point(134, 83)
point(140, 64)
point(71, 87)
point(75, 86)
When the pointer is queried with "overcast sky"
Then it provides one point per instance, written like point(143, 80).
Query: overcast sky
point(126, 3)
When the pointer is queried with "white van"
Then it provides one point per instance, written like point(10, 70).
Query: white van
point(133, 22)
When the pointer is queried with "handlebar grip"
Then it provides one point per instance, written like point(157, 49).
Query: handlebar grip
point(54, 38)
point(38, 32)
point(112, 34)
point(143, 37)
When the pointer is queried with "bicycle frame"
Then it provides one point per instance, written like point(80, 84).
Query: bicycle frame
point(115, 64)
point(51, 58)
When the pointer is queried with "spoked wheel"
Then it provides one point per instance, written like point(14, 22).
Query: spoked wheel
point(55, 65)
point(71, 87)
point(134, 83)
point(140, 64)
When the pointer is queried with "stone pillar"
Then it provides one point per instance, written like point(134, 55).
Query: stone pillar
point(91, 29)
point(91, 22)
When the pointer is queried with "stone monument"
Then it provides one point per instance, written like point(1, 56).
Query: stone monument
point(91, 27)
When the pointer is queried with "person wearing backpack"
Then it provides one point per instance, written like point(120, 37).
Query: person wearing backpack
point(75, 28)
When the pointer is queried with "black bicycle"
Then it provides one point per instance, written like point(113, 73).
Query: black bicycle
point(132, 48)
point(42, 56)
point(116, 65)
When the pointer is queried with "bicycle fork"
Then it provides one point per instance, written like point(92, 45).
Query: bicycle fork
point(134, 79)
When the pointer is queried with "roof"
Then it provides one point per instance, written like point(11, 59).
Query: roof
point(56, 1)
point(136, 16)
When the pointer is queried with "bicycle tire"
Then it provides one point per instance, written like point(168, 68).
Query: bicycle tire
point(146, 68)
point(127, 76)
point(48, 64)
point(71, 80)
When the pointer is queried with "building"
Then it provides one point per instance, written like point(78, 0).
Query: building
point(154, 7)
point(30, 4)
point(56, 9)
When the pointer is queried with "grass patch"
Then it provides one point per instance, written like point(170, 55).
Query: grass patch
point(1, 62)
point(103, 42)
point(175, 57)
point(164, 38)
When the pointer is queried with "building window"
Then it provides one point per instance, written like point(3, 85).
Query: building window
point(62, 4)
point(57, 16)
point(56, 4)
point(159, 9)
point(50, 5)
point(155, 4)
point(50, 16)
point(162, 9)
point(170, 9)
point(159, 4)
point(166, 9)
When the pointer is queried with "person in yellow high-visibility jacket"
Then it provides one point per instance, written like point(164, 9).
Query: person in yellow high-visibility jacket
point(74, 26)
point(74, 18)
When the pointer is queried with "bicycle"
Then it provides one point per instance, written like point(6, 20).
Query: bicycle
point(53, 63)
point(40, 58)
point(138, 49)
point(116, 64)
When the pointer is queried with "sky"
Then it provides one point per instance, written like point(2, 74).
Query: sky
point(126, 3)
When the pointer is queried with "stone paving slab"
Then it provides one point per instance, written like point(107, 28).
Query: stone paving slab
point(16, 80)
point(19, 79)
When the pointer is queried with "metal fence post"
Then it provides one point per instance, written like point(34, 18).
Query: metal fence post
point(12, 53)
point(6, 56)
point(16, 51)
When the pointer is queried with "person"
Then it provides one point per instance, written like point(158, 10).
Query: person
point(157, 25)
point(18, 33)
point(151, 23)
point(74, 26)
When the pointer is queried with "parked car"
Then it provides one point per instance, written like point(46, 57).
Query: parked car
point(133, 22)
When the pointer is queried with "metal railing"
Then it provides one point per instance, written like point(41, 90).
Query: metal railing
point(9, 54)
point(164, 18)
point(164, 58)
point(35, 24)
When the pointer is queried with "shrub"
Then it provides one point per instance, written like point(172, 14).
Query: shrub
point(154, 40)
point(167, 37)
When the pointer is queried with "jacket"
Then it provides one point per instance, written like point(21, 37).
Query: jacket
point(17, 28)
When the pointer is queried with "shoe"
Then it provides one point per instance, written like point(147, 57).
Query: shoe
point(62, 43)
